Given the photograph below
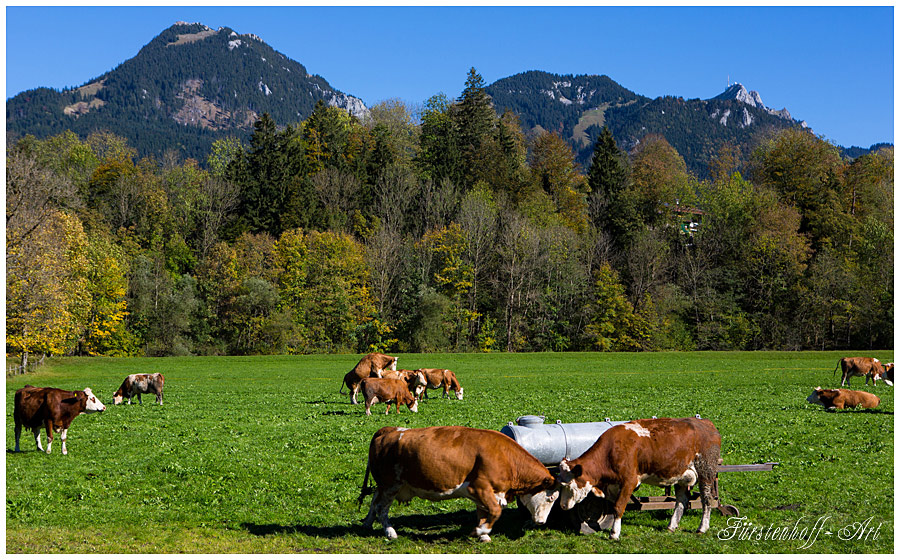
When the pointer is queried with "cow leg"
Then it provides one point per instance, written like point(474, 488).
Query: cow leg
point(681, 501)
point(139, 399)
point(488, 510)
point(353, 391)
point(159, 398)
point(37, 437)
point(706, 500)
point(49, 425)
point(18, 434)
point(381, 503)
point(625, 492)
point(62, 438)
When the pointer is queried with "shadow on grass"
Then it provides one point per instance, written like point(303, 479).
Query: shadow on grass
point(428, 528)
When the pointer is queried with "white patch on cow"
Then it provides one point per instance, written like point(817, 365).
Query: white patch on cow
point(415, 406)
point(390, 533)
point(876, 360)
point(93, 403)
point(688, 478)
point(459, 394)
point(616, 529)
point(638, 429)
point(501, 498)
point(571, 494)
point(540, 504)
point(62, 436)
point(483, 532)
point(402, 429)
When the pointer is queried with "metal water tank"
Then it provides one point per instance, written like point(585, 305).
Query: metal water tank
point(551, 443)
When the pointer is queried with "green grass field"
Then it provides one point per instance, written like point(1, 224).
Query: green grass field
point(261, 454)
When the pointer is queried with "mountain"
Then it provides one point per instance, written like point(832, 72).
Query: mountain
point(188, 86)
point(193, 84)
point(577, 108)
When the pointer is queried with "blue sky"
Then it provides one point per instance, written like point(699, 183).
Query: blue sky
point(830, 66)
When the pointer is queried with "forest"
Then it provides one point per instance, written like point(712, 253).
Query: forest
point(445, 230)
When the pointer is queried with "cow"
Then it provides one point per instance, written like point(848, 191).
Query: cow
point(889, 374)
point(659, 451)
point(387, 390)
point(445, 462)
point(414, 379)
point(842, 398)
point(871, 368)
point(437, 378)
point(139, 383)
point(371, 365)
point(53, 409)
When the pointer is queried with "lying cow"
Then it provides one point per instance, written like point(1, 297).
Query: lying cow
point(387, 390)
point(371, 365)
point(660, 451)
point(415, 380)
point(54, 409)
point(438, 378)
point(137, 384)
point(444, 462)
point(871, 368)
point(842, 398)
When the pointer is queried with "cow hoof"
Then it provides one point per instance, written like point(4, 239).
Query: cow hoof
point(484, 538)
point(390, 533)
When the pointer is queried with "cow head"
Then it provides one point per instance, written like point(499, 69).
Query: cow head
point(814, 397)
point(117, 397)
point(459, 393)
point(540, 503)
point(93, 403)
point(574, 486)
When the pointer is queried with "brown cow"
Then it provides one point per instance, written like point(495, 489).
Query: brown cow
point(414, 379)
point(139, 383)
point(54, 409)
point(842, 398)
point(387, 390)
point(437, 378)
point(660, 451)
point(871, 368)
point(444, 462)
point(371, 365)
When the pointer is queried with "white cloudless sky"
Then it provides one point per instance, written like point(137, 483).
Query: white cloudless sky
point(830, 66)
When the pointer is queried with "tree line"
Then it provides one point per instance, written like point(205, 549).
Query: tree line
point(448, 230)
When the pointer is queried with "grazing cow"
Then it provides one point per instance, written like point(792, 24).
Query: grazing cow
point(54, 409)
point(889, 374)
point(437, 378)
point(660, 451)
point(842, 398)
point(139, 383)
point(444, 462)
point(371, 365)
point(415, 380)
point(871, 368)
point(387, 390)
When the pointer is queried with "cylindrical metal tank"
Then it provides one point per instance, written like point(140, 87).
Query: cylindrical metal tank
point(551, 443)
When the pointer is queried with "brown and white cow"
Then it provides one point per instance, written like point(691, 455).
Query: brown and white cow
point(437, 378)
point(371, 365)
point(445, 462)
point(414, 379)
point(137, 384)
point(842, 398)
point(53, 409)
point(889, 373)
point(387, 390)
point(659, 451)
point(871, 368)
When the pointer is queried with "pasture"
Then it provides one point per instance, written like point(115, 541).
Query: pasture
point(262, 455)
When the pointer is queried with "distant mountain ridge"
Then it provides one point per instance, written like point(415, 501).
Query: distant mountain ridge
point(192, 84)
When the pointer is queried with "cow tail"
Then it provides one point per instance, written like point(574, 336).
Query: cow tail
point(836, 367)
point(343, 383)
point(365, 491)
